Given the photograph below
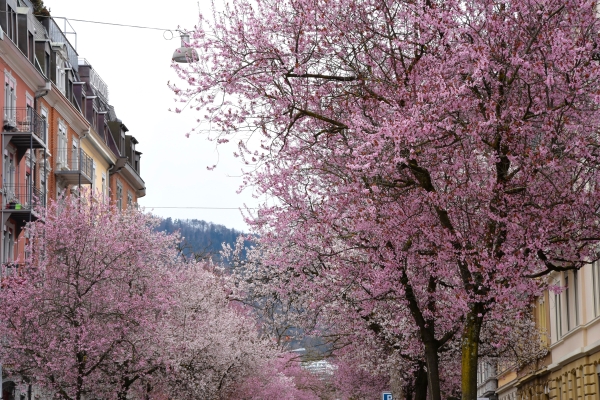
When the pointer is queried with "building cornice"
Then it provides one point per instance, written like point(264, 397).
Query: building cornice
point(574, 355)
point(132, 177)
point(96, 141)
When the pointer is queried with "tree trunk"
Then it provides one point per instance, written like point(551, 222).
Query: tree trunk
point(397, 385)
point(420, 388)
point(122, 395)
point(433, 372)
point(470, 348)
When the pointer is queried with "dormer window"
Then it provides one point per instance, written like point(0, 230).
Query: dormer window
point(61, 67)
point(60, 74)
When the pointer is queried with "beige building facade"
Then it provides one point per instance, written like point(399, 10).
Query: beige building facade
point(570, 324)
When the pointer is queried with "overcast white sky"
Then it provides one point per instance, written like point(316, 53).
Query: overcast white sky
point(135, 64)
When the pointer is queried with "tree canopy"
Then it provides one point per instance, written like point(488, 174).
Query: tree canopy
point(429, 159)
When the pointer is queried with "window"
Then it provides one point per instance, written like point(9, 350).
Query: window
point(44, 124)
point(9, 243)
point(9, 177)
point(10, 100)
point(74, 154)
point(62, 145)
point(571, 299)
point(576, 296)
point(46, 64)
point(28, 189)
point(93, 176)
point(567, 302)
point(11, 18)
point(27, 124)
point(542, 321)
point(596, 287)
point(129, 199)
point(30, 54)
point(558, 313)
point(119, 196)
point(60, 191)
point(60, 73)
point(69, 85)
point(103, 186)
point(43, 189)
point(598, 374)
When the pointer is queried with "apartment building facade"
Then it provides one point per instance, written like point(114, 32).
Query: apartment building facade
point(59, 135)
point(569, 322)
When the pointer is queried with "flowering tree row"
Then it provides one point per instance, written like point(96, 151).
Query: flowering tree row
point(430, 161)
point(105, 307)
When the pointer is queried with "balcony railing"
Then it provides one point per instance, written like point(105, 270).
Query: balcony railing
point(95, 80)
point(22, 197)
point(24, 120)
point(10, 268)
point(75, 166)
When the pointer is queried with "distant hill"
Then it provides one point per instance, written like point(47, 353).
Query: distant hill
point(200, 237)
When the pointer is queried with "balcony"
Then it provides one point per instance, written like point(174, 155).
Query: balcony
point(22, 202)
point(74, 167)
point(24, 128)
point(10, 268)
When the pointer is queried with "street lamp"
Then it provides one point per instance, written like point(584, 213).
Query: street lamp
point(186, 53)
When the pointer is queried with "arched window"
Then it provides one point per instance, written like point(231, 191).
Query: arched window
point(8, 390)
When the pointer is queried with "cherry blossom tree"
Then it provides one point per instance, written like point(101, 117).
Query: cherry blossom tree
point(105, 306)
point(444, 154)
point(282, 377)
point(79, 317)
point(385, 340)
point(354, 382)
point(213, 346)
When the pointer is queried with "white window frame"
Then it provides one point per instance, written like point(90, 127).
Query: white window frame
point(596, 287)
point(60, 73)
point(9, 176)
point(62, 145)
point(75, 154)
point(44, 113)
point(10, 99)
point(29, 188)
point(568, 295)
point(104, 191)
point(29, 107)
point(575, 278)
point(558, 313)
point(93, 177)
point(44, 185)
point(119, 196)
point(9, 245)
point(571, 293)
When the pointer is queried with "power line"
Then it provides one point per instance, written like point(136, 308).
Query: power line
point(108, 23)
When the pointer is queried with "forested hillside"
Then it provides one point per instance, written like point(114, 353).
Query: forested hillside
point(200, 237)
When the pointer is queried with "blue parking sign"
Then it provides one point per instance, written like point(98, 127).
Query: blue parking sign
point(386, 396)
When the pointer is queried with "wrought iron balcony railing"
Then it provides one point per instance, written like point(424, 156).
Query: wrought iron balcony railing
point(22, 197)
point(9, 268)
point(24, 120)
point(76, 160)
point(75, 166)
